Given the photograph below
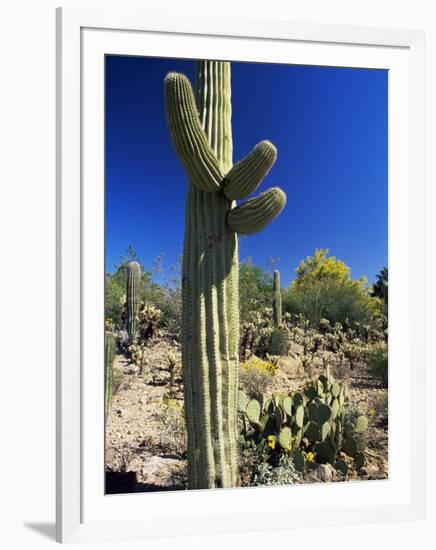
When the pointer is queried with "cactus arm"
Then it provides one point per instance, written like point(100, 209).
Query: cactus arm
point(247, 174)
point(253, 215)
point(189, 139)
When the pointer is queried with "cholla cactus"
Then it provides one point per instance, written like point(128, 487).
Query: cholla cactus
point(325, 325)
point(200, 128)
point(353, 351)
point(132, 291)
point(247, 340)
point(148, 317)
point(138, 353)
point(173, 367)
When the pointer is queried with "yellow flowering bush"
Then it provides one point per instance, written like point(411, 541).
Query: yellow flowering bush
point(259, 365)
point(255, 375)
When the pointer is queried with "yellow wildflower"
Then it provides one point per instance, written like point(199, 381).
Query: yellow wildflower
point(372, 412)
point(310, 457)
point(271, 442)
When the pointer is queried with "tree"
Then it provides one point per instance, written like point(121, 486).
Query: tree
point(380, 287)
point(324, 288)
point(255, 289)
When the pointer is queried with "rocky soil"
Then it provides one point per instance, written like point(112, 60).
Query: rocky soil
point(145, 433)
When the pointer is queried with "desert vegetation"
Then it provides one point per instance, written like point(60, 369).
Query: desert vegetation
point(312, 393)
point(223, 376)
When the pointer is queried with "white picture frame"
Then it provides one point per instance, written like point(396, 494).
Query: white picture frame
point(84, 36)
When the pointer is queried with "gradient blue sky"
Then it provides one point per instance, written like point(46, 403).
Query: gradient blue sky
point(329, 126)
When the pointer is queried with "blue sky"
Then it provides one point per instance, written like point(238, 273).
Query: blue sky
point(329, 126)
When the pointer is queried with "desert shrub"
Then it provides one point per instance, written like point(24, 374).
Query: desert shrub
point(380, 406)
point(332, 301)
point(341, 367)
point(171, 426)
point(255, 289)
point(115, 301)
point(377, 361)
point(284, 473)
point(324, 289)
point(279, 342)
point(118, 378)
point(123, 457)
point(255, 375)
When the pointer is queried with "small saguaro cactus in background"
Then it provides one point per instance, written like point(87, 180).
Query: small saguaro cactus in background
point(277, 303)
point(132, 293)
point(110, 343)
point(200, 127)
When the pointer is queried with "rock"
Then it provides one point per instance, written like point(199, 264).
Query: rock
point(322, 473)
point(110, 455)
point(159, 468)
point(290, 365)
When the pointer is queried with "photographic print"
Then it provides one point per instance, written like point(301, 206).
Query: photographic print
point(246, 291)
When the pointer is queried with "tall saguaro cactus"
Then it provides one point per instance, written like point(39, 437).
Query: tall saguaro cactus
point(132, 297)
point(200, 128)
point(277, 303)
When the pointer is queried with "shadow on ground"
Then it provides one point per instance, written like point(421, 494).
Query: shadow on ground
point(126, 482)
point(47, 530)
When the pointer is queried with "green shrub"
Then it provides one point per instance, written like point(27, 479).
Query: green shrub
point(377, 360)
point(255, 289)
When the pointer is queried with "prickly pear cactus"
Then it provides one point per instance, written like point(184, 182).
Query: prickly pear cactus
point(200, 127)
point(277, 303)
point(132, 292)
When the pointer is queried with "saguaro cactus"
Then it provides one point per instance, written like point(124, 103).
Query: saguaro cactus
point(277, 303)
point(132, 294)
point(202, 137)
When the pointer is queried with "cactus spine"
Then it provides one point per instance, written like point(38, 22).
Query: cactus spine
point(109, 355)
point(132, 296)
point(200, 128)
point(277, 304)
